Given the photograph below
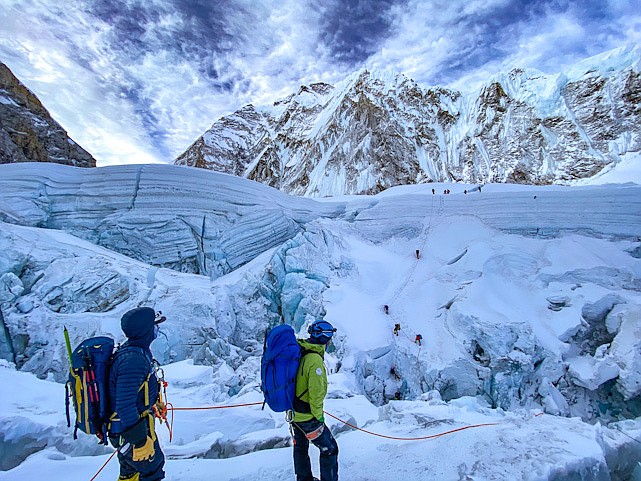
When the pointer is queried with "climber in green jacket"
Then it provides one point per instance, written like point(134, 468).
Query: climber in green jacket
point(308, 421)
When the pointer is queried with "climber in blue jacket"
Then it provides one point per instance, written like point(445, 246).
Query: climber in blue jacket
point(133, 393)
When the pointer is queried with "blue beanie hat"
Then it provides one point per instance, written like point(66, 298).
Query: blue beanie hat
point(138, 324)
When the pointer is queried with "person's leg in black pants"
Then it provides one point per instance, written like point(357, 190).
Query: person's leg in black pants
point(302, 464)
point(328, 455)
point(328, 452)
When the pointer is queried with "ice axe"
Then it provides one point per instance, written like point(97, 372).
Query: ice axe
point(68, 343)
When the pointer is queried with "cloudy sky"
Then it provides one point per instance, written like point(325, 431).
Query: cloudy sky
point(139, 80)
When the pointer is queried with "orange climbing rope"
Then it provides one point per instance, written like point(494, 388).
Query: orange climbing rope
point(202, 408)
point(420, 438)
point(170, 425)
point(103, 466)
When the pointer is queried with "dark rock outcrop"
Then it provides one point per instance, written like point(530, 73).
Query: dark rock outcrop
point(28, 133)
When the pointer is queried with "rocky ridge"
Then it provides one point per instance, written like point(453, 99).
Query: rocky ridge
point(377, 129)
point(28, 133)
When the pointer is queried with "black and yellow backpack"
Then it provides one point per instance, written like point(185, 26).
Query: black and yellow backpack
point(88, 386)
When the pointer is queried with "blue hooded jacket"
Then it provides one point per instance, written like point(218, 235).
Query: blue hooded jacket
point(129, 369)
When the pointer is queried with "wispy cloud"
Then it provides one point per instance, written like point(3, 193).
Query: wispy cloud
point(139, 80)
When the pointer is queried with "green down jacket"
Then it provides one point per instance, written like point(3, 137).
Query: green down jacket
point(311, 381)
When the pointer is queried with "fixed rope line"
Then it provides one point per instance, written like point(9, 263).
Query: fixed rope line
point(171, 408)
point(618, 428)
point(431, 436)
point(103, 466)
point(409, 275)
point(204, 408)
point(420, 438)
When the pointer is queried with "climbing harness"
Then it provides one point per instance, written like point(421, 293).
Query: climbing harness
point(315, 433)
point(160, 407)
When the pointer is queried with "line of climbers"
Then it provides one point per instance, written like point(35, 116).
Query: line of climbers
point(418, 338)
point(397, 327)
point(448, 191)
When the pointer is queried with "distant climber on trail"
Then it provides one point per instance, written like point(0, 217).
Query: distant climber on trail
point(397, 327)
point(134, 392)
point(386, 309)
point(308, 423)
point(433, 192)
point(418, 254)
point(418, 339)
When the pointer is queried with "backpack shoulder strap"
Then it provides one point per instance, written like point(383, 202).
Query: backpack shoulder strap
point(145, 385)
point(305, 352)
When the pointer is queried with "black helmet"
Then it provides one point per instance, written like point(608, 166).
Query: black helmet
point(320, 332)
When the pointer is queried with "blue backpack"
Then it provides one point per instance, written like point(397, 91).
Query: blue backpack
point(88, 386)
point(278, 367)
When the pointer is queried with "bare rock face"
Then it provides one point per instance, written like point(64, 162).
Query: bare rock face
point(377, 129)
point(27, 131)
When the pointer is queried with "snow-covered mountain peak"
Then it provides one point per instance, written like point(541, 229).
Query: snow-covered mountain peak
point(307, 95)
point(384, 79)
point(606, 64)
point(377, 129)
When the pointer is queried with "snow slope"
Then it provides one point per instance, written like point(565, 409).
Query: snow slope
point(501, 446)
point(527, 299)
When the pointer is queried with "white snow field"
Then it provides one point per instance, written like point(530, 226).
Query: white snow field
point(528, 301)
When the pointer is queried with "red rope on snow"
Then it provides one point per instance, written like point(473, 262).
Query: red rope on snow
point(103, 466)
point(431, 436)
point(202, 408)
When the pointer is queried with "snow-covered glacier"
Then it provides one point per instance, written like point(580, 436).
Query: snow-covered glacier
point(527, 299)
